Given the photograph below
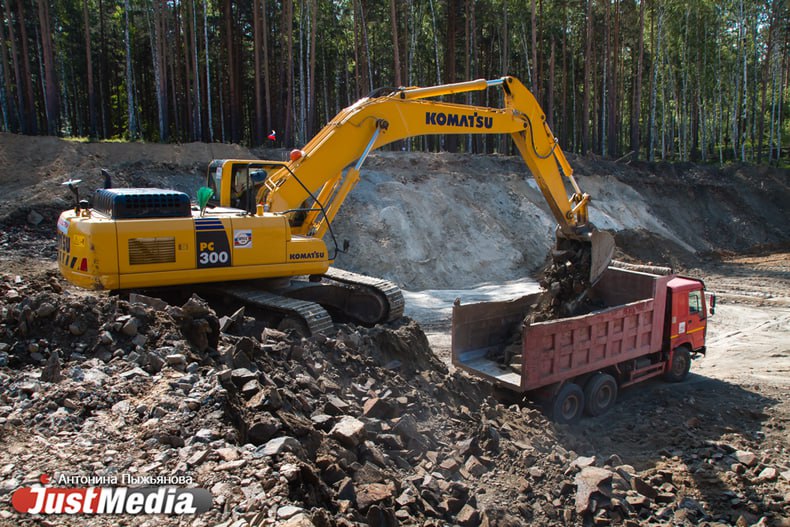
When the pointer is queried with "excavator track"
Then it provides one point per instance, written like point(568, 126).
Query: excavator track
point(386, 290)
point(315, 318)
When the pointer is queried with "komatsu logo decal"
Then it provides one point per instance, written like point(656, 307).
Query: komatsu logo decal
point(307, 256)
point(459, 120)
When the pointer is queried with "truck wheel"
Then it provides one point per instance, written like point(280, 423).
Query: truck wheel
point(679, 367)
point(568, 404)
point(600, 393)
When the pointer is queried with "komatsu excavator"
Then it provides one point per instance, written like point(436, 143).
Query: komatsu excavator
point(259, 238)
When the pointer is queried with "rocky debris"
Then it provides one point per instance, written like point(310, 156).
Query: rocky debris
point(565, 280)
point(362, 426)
point(565, 283)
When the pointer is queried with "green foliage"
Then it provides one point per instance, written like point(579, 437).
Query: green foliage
point(721, 69)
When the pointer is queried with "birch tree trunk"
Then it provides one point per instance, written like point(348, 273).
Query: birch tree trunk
point(587, 81)
point(129, 80)
point(155, 38)
point(89, 67)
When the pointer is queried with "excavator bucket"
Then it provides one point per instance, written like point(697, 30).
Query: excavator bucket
point(601, 254)
point(591, 250)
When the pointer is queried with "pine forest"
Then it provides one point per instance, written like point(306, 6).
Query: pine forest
point(694, 80)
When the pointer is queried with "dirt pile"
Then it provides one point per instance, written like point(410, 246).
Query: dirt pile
point(363, 426)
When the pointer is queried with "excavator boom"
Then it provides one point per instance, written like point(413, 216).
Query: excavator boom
point(378, 120)
point(264, 222)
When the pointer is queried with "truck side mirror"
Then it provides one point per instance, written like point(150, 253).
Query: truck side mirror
point(712, 304)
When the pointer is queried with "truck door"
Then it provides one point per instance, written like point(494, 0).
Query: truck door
point(697, 319)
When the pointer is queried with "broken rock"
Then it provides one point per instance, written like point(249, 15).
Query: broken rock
point(589, 481)
point(349, 431)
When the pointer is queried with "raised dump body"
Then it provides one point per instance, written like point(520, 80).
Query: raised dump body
point(628, 339)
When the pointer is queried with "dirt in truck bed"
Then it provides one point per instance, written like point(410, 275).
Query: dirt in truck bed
point(371, 426)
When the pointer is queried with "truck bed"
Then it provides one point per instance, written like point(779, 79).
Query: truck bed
point(630, 326)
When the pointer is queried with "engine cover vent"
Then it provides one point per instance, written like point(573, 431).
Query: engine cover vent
point(131, 203)
point(152, 250)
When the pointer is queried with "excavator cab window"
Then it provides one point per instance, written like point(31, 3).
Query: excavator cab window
point(239, 183)
point(214, 182)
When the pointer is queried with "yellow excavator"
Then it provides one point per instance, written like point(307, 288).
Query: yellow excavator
point(257, 232)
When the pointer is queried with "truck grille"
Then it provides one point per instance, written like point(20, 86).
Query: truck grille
point(152, 250)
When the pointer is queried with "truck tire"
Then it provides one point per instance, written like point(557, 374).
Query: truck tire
point(679, 366)
point(568, 404)
point(600, 393)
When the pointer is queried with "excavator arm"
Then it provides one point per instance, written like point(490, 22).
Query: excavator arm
point(316, 175)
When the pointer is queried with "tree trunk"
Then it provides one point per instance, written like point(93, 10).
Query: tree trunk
point(92, 121)
point(451, 141)
point(104, 84)
point(208, 73)
point(550, 95)
point(311, 102)
point(258, 132)
point(266, 71)
point(505, 33)
point(395, 47)
point(31, 118)
point(287, 31)
point(189, 90)
point(435, 44)
point(301, 120)
point(11, 108)
point(198, 108)
point(129, 79)
point(50, 80)
point(587, 81)
point(636, 105)
point(563, 112)
point(766, 68)
point(613, 91)
point(235, 108)
point(654, 87)
point(160, 71)
point(534, 33)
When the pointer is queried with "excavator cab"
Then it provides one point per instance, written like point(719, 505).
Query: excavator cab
point(236, 183)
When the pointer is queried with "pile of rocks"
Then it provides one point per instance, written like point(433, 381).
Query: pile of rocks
point(364, 426)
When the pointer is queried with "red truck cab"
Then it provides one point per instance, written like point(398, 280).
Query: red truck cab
point(687, 317)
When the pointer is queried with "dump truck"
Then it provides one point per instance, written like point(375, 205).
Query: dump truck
point(645, 325)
